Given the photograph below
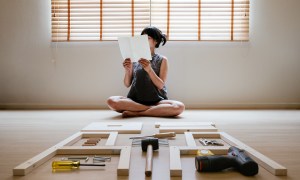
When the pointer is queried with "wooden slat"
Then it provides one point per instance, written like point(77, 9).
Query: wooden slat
point(36, 161)
point(124, 162)
point(181, 130)
point(175, 163)
point(216, 150)
point(189, 138)
point(88, 150)
point(180, 124)
point(111, 141)
point(120, 127)
point(270, 165)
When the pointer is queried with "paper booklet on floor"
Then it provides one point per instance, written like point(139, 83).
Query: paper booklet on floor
point(135, 47)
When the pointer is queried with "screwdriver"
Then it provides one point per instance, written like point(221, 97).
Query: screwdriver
point(70, 164)
point(158, 135)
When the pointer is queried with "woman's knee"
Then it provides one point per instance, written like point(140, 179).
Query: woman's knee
point(178, 107)
point(112, 102)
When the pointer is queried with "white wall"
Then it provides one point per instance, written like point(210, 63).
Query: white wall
point(262, 73)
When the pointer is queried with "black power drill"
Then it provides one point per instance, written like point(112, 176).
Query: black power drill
point(236, 158)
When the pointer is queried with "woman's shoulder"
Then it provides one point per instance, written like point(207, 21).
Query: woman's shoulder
point(162, 57)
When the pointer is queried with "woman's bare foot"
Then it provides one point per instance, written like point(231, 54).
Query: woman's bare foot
point(126, 114)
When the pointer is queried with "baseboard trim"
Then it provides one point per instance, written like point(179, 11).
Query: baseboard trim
point(245, 106)
point(50, 107)
point(188, 106)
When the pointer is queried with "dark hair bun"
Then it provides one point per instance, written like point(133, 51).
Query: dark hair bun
point(156, 34)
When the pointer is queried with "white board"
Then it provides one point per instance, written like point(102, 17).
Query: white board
point(180, 124)
point(183, 129)
point(120, 127)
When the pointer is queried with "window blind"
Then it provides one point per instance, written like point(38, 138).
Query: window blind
point(196, 20)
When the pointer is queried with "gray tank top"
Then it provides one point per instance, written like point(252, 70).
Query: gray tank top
point(142, 88)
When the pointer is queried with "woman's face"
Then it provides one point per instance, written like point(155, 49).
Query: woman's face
point(152, 42)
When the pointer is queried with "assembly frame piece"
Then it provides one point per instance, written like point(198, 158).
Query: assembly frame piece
point(267, 163)
point(177, 151)
point(182, 127)
point(65, 147)
point(120, 127)
point(180, 124)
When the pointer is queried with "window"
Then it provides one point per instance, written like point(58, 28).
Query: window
point(196, 20)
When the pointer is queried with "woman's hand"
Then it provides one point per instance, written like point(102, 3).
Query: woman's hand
point(145, 64)
point(127, 64)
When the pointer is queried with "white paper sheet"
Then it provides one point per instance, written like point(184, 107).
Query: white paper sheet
point(135, 47)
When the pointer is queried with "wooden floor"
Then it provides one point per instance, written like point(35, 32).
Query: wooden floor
point(24, 134)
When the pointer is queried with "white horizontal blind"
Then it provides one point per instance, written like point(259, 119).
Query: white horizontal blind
point(100, 20)
point(202, 19)
point(94, 20)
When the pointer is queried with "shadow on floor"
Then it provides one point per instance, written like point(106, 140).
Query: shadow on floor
point(119, 117)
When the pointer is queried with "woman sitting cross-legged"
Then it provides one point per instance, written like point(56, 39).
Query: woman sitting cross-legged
point(148, 94)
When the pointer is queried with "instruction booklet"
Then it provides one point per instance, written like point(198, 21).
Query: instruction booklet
point(135, 47)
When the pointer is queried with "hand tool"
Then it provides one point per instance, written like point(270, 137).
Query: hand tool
point(204, 152)
point(138, 142)
point(149, 145)
point(75, 158)
point(56, 165)
point(101, 159)
point(207, 142)
point(158, 135)
point(236, 158)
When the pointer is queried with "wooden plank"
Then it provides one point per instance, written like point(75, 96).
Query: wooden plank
point(177, 151)
point(124, 162)
point(174, 124)
point(175, 163)
point(189, 138)
point(267, 163)
point(36, 161)
point(90, 150)
point(111, 141)
point(120, 127)
point(181, 130)
point(216, 150)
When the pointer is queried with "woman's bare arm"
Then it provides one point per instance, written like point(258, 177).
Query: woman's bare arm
point(158, 81)
point(127, 64)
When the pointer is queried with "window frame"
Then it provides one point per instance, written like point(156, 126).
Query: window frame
point(134, 5)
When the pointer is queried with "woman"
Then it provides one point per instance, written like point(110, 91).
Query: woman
point(148, 94)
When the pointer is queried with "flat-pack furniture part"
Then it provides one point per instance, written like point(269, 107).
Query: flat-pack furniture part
point(120, 127)
point(192, 148)
point(65, 148)
point(182, 127)
point(180, 124)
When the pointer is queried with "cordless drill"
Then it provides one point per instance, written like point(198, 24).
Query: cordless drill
point(236, 159)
